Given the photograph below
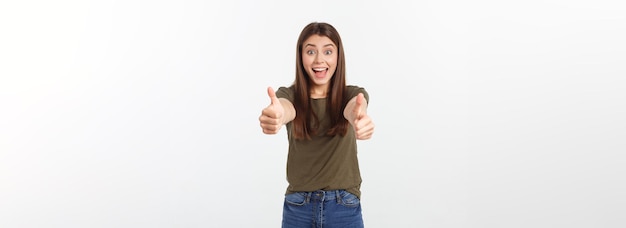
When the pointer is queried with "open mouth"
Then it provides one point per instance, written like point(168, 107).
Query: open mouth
point(320, 72)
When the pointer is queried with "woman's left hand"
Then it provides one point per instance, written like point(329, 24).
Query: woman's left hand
point(361, 122)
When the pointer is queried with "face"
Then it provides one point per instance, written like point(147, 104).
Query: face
point(319, 57)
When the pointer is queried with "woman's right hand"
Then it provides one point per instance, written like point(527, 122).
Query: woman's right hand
point(272, 116)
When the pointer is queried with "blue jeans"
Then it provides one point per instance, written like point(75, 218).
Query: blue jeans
point(322, 209)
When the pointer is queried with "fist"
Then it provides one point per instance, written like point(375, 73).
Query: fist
point(362, 124)
point(272, 116)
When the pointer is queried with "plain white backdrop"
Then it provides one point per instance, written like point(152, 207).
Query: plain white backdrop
point(144, 113)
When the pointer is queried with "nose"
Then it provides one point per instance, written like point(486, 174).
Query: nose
point(319, 58)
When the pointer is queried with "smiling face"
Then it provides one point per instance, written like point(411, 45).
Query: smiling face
point(319, 58)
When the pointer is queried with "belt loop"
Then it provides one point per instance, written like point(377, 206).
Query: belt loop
point(338, 196)
point(308, 197)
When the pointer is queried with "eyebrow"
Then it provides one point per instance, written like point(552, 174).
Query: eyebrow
point(326, 45)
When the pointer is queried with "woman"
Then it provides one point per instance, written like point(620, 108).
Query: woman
point(324, 117)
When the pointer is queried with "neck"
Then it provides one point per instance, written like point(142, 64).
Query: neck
point(319, 92)
point(318, 95)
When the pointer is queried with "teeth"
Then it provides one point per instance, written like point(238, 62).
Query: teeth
point(319, 69)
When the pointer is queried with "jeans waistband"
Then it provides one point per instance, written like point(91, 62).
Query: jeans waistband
point(321, 195)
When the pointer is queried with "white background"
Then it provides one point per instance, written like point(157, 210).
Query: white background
point(144, 113)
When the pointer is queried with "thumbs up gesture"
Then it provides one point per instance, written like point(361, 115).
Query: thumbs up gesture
point(356, 113)
point(272, 116)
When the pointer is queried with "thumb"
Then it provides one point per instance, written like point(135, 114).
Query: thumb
point(360, 104)
point(272, 96)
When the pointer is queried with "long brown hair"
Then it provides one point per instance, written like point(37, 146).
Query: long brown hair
point(336, 101)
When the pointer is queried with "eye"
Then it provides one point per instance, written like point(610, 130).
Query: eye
point(328, 52)
point(310, 52)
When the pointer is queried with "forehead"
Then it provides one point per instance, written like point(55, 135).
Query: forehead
point(318, 41)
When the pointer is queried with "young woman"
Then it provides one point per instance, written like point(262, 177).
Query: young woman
point(324, 118)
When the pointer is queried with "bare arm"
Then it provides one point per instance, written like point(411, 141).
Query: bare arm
point(290, 111)
point(278, 113)
point(356, 114)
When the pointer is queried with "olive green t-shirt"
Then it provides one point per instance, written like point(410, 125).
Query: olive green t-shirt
point(324, 162)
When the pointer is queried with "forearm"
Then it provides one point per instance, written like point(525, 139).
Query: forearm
point(290, 111)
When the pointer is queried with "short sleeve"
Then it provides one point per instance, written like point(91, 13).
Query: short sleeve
point(287, 93)
point(353, 91)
